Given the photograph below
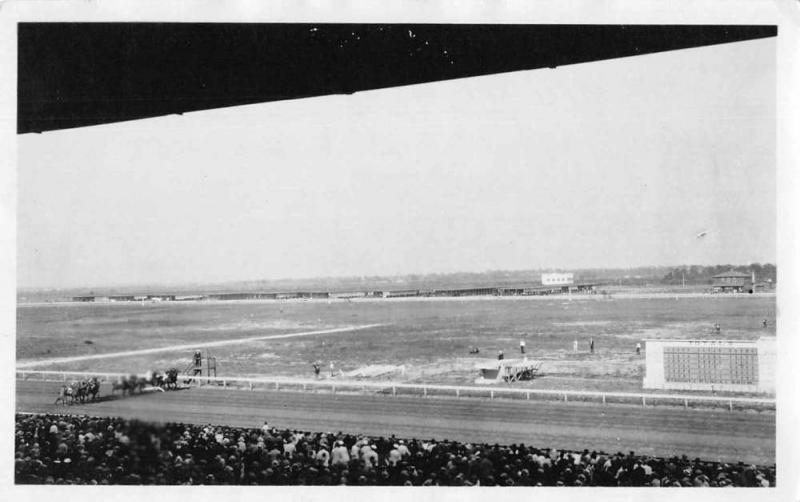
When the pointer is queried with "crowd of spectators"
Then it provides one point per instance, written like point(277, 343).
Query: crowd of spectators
point(63, 449)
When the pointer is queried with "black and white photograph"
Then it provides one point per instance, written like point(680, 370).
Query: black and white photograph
point(497, 250)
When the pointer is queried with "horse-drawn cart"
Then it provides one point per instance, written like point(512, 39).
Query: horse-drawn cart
point(507, 370)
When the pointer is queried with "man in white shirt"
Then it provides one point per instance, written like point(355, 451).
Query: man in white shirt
point(288, 448)
point(394, 455)
point(366, 449)
point(355, 450)
point(403, 449)
point(339, 454)
point(370, 457)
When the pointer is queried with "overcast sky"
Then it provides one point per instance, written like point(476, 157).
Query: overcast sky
point(606, 164)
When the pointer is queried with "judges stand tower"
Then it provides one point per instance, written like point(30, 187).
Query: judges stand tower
point(195, 368)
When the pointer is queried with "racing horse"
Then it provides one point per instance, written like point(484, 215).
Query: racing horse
point(171, 379)
point(65, 393)
point(158, 380)
point(118, 384)
point(79, 391)
point(127, 385)
point(155, 379)
point(93, 388)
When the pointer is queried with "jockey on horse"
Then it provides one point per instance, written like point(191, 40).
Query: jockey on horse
point(127, 385)
point(137, 383)
point(171, 378)
point(81, 390)
point(119, 384)
point(64, 393)
point(93, 388)
point(130, 384)
point(154, 379)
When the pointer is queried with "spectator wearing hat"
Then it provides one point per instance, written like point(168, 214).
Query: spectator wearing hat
point(394, 455)
point(339, 455)
point(369, 456)
point(323, 457)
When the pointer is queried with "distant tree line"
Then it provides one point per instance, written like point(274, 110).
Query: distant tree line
point(702, 274)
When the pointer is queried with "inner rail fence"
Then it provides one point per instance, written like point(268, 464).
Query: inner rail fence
point(393, 389)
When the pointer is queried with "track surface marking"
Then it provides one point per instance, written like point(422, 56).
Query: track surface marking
point(191, 346)
point(660, 431)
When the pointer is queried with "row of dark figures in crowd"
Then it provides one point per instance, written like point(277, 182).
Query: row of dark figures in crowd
point(69, 449)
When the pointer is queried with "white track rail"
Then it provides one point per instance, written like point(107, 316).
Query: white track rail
point(425, 390)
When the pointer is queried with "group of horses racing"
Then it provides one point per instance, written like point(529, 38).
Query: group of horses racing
point(81, 391)
point(158, 381)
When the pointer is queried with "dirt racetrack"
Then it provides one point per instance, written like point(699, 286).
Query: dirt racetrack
point(659, 431)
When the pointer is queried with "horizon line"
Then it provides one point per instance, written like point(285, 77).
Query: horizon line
point(184, 284)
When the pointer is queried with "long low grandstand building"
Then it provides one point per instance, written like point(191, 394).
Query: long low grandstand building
point(346, 295)
point(478, 290)
point(466, 292)
point(242, 296)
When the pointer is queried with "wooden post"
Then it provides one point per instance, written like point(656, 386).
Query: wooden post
point(528, 396)
point(491, 394)
point(604, 399)
point(685, 403)
point(394, 391)
point(730, 405)
point(250, 384)
point(565, 397)
point(424, 391)
point(644, 402)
